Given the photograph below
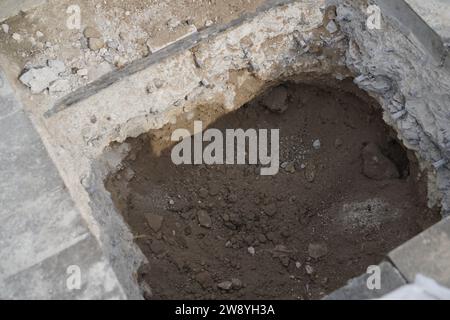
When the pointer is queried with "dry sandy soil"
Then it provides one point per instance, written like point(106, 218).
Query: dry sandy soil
point(227, 232)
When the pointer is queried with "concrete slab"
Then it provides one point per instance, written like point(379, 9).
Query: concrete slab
point(357, 288)
point(9, 8)
point(428, 254)
point(41, 230)
point(48, 279)
point(436, 13)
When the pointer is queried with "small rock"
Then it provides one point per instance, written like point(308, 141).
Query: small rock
point(276, 100)
point(317, 250)
point(5, 28)
point(251, 250)
point(332, 27)
point(309, 269)
point(338, 143)
point(204, 219)
point(158, 83)
point(236, 283)
point(95, 44)
point(316, 144)
point(173, 23)
point(376, 166)
point(154, 221)
point(209, 23)
point(38, 79)
point(39, 34)
point(310, 173)
point(225, 285)
point(91, 32)
point(112, 44)
point(17, 37)
point(290, 167)
point(82, 72)
point(298, 264)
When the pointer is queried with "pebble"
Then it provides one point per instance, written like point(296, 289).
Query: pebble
point(91, 32)
point(17, 37)
point(317, 250)
point(5, 28)
point(237, 283)
point(290, 167)
point(82, 72)
point(377, 166)
point(225, 285)
point(39, 34)
point(298, 264)
point(316, 144)
point(95, 44)
point(309, 269)
point(204, 219)
point(251, 250)
point(209, 23)
point(332, 27)
point(154, 221)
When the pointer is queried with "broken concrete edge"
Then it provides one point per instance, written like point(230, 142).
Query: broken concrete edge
point(185, 43)
point(95, 156)
point(358, 288)
point(43, 233)
point(414, 27)
point(396, 70)
point(428, 254)
point(10, 8)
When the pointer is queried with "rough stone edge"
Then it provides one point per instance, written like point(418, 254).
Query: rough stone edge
point(141, 64)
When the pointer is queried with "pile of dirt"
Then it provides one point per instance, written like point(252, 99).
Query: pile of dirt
point(346, 194)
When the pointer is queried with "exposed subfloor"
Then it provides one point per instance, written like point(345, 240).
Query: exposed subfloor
point(328, 214)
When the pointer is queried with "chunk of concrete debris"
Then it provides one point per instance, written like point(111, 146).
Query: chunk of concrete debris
point(95, 44)
point(17, 37)
point(154, 221)
point(5, 28)
point(332, 27)
point(309, 269)
point(91, 32)
point(38, 79)
point(377, 166)
point(225, 285)
point(317, 250)
point(204, 219)
point(60, 85)
point(276, 100)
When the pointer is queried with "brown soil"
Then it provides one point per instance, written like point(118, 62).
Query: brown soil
point(317, 223)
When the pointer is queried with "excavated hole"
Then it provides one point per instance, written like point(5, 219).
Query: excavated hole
point(317, 223)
